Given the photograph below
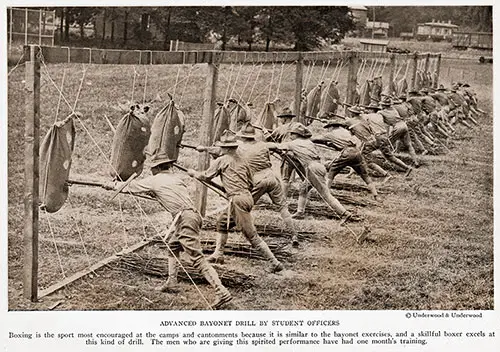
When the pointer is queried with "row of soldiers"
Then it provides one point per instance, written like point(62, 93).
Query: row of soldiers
point(242, 161)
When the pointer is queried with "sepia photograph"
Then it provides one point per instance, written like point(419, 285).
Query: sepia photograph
point(250, 158)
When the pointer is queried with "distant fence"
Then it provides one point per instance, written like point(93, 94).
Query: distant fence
point(177, 45)
point(30, 26)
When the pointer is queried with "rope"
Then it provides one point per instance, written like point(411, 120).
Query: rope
point(187, 81)
point(16, 66)
point(110, 164)
point(407, 68)
point(248, 80)
point(236, 80)
point(79, 88)
point(55, 243)
point(133, 85)
point(279, 80)
point(80, 234)
point(145, 85)
point(229, 82)
point(255, 81)
point(176, 80)
point(123, 222)
point(271, 84)
point(59, 100)
point(178, 83)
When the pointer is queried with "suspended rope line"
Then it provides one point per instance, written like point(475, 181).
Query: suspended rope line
point(407, 68)
point(110, 164)
point(255, 81)
point(248, 80)
point(279, 80)
point(187, 81)
point(229, 82)
point(264, 89)
point(122, 220)
point(16, 66)
point(59, 99)
point(176, 80)
point(47, 216)
point(310, 74)
point(344, 64)
point(87, 256)
point(145, 85)
point(178, 83)
point(80, 87)
point(271, 84)
point(236, 81)
point(133, 85)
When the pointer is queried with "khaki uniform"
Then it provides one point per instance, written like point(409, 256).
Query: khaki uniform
point(172, 194)
point(237, 179)
point(398, 130)
point(350, 154)
point(307, 161)
point(257, 155)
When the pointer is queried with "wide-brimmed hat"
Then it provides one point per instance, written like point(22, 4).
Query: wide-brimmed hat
point(227, 140)
point(286, 113)
point(424, 90)
point(156, 162)
point(402, 97)
point(441, 88)
point(396, 101)
point(354, 110)
point(413, 91)
point(466, 85)
point(386, 102)
point(335, 123)
point(372, 105)
point(301, 130)
point(247, 131)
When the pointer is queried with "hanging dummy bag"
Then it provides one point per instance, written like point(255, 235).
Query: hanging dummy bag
point(55, 162)
point(166, 134)
point(329, 100)
point(222, 120)
point(268, 118)
point(131, 137)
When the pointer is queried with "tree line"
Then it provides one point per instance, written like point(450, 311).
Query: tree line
point(405, 18)
point(301, 27)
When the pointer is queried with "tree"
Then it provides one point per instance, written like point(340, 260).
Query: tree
point(221, 22)
point(311, 24)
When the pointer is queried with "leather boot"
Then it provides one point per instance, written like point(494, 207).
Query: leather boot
point(301, 207)
point(218, 255)
point(171, 286)
point(222, 295)
point(276, 265)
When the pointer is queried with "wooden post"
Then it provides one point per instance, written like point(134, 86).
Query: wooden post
point(414, 71)
point(31, 172)
point(206, 132)
point(427, 62)
point(392, 68)
point(438, 71)
point(40, 27)
point(26, 27)
point(299, 68)
point(10, 31)
point(352, 78)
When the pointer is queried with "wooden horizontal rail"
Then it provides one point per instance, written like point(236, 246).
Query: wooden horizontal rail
point(55, 54)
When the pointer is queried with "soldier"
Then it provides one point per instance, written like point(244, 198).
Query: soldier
point(282, 134)
point(380, 139)
point(172, 194)
point(257, 154)
point(350, 154)
point(397, 128)
point(237, 179)
point(307, 163)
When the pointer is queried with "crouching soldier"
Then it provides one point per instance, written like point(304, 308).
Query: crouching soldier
point(172, 194)
point(306, 160)
point(350, 155)
point(237, 179)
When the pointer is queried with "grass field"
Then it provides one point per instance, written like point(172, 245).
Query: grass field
point(433, 246)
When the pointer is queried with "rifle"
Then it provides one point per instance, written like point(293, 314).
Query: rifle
point(99, 184)
point(220, 190)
